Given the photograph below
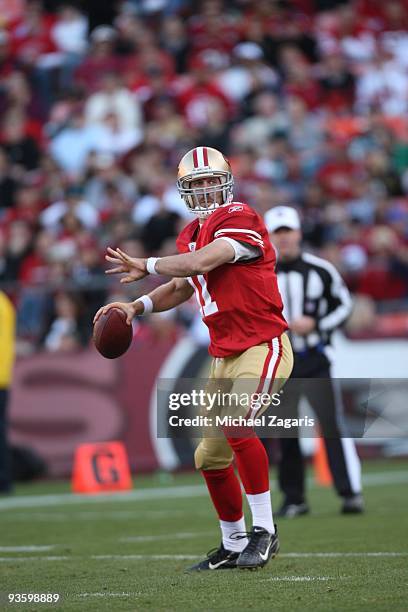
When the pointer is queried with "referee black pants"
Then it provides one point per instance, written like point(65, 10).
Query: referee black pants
point(327, 406)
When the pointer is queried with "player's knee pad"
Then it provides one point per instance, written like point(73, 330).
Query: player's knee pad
point(212, 456)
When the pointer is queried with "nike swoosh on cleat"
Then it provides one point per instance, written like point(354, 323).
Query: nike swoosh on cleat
point(264, 556)
point(212, 567)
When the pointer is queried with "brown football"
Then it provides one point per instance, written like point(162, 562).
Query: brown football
point(112, 336)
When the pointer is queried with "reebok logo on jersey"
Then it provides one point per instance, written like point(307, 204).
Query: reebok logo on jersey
point(235, 209)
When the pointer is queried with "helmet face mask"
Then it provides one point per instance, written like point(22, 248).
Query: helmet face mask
point(205, 163)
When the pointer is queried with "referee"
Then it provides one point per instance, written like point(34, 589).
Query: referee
point(316, 302)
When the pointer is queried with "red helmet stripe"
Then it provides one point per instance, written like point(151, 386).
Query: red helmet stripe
point(195, 158)
point(205, 156)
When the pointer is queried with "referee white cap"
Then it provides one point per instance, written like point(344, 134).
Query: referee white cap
point(282, 216)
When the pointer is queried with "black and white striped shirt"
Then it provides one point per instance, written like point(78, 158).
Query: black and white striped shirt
point(312, 286)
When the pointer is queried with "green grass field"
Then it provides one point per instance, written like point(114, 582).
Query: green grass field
point(129, 553)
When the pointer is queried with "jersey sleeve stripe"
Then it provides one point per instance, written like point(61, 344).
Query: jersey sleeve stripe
point(256, 238)
point(197, 288)
point(239, 230)
point(241, 237)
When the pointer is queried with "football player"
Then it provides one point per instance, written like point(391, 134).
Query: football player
point(226, 258)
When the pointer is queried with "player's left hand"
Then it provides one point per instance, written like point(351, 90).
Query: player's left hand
point(134, 268)
point(303, 325)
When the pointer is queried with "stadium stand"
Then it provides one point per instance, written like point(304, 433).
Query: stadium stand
point(307, 98)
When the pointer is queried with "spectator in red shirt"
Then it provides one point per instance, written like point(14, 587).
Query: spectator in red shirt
point(196, 97)
point(150, 56)
point(27, 204)
point(35, 265)
point(334, 175)
point(299, 79)
point(101, 58)
point(31, 35)
point(378, 280)
point(213, 28)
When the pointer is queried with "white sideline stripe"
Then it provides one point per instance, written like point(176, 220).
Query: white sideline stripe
point(32, 501)
point(297, 578)
point(290, 555)
point(379, 478)
point(26, 548)
point(143, 557)
point(31, 559)
point(191, 557)
point(346, 554)
point(107, 594)
point(166, 536)
point(98, 558)
point(119, 515)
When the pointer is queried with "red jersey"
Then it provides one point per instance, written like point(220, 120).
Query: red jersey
point(240, 302)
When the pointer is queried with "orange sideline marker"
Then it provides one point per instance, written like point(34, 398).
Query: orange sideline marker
point(101, 467)
point(320, 464)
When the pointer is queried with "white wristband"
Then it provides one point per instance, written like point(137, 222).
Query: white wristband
point(151, 265)
point(147, 303)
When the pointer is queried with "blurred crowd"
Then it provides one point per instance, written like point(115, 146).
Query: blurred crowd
point(99, 100)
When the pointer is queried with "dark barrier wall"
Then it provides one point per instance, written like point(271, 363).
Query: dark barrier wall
point(60, 401)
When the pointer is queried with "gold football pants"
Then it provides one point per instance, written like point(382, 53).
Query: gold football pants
point(261, 369)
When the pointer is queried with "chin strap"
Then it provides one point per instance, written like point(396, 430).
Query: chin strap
point(207, 213)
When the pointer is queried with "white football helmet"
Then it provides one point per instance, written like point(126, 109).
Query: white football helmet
point(204, 162)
